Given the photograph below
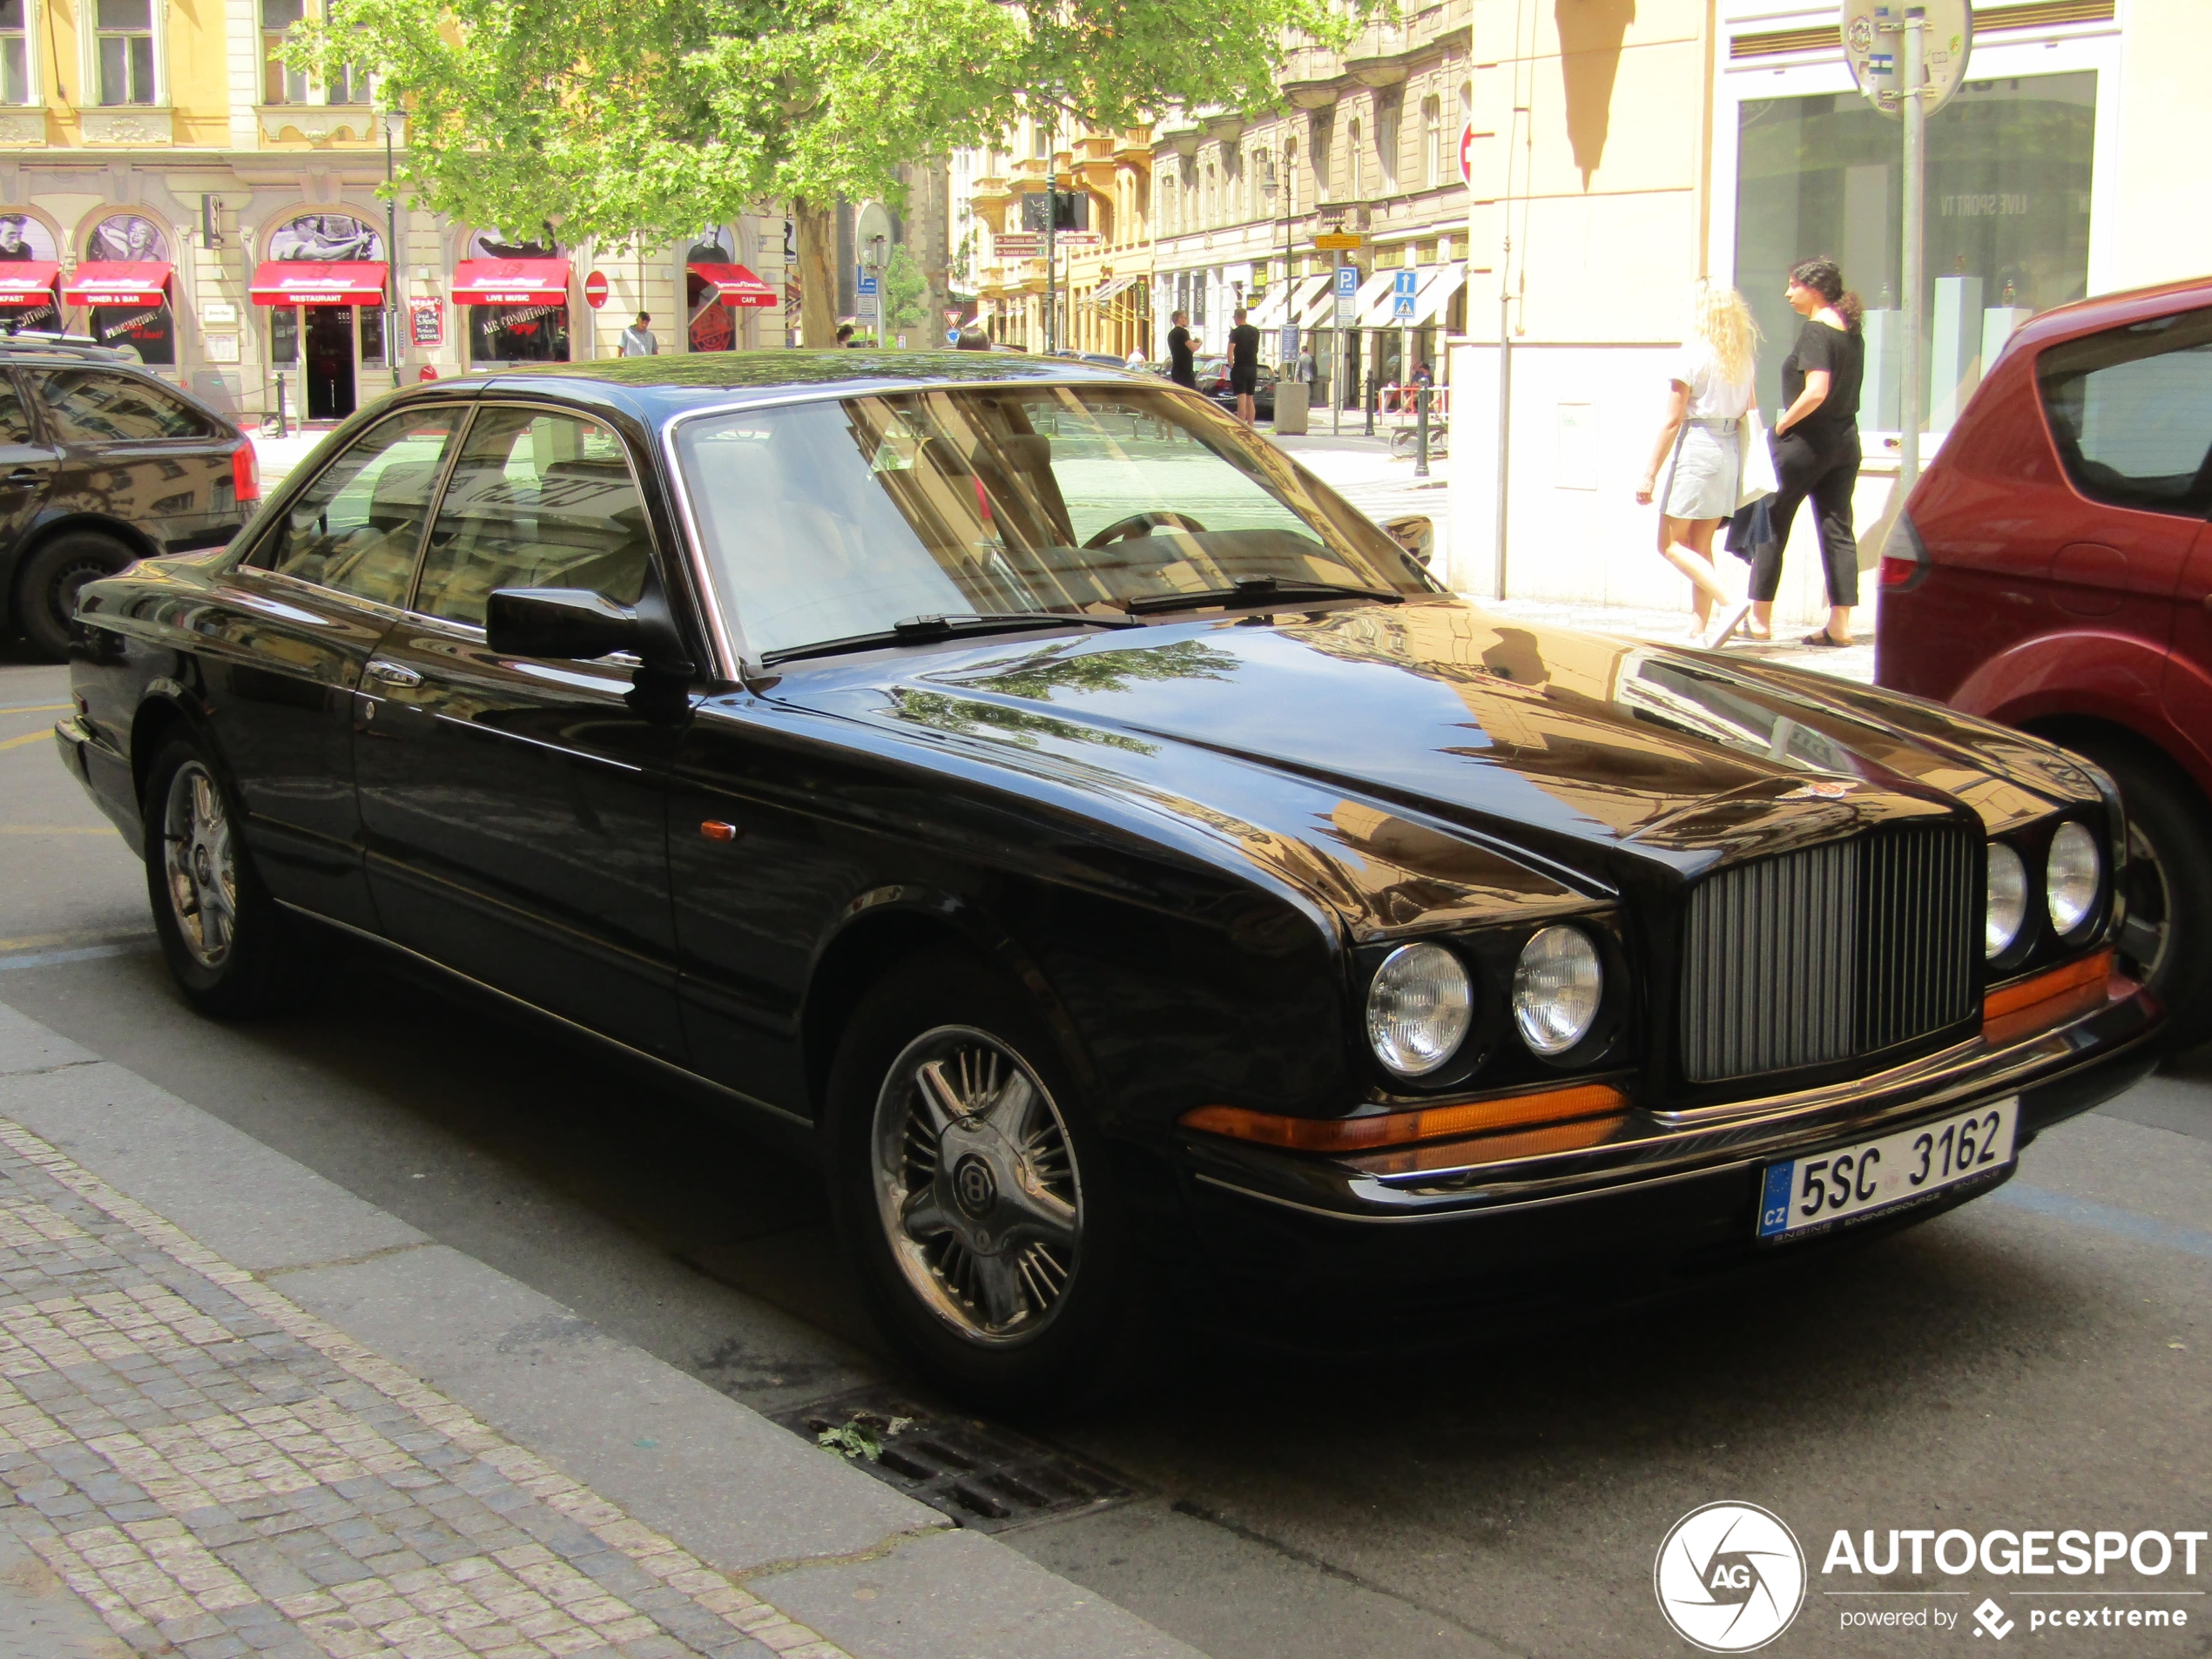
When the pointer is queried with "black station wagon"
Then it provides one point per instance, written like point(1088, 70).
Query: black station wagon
point(1111, 858)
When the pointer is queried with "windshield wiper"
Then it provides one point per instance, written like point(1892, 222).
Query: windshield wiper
point(910, 631)
point(1260, 590)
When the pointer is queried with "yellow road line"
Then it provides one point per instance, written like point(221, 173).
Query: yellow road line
point(44, 942)
point(39, 708)
point(46, 736)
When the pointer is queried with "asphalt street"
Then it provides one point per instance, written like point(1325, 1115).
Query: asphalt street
point(2034, 1359)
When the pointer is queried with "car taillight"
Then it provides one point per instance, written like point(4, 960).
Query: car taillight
point(245, 473)
point(1904, 557)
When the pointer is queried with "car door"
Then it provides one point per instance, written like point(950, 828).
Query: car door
point(514, 806)
point(138, 452)
point(2130, 409)
point(26, 466)
point(284, 634)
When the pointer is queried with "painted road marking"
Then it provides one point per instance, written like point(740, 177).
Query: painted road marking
point(2104, 1217)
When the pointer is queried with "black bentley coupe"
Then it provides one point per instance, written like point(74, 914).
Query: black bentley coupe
point(1113, 860)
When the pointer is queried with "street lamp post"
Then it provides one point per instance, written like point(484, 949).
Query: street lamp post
point(392, 251)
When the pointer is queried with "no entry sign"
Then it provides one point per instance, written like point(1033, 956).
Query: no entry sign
point(594, 289)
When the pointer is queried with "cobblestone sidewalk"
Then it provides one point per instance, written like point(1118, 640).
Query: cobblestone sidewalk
point(217, 1472)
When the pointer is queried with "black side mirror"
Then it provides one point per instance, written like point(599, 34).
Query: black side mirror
point(1415, 533)
point(560, 622)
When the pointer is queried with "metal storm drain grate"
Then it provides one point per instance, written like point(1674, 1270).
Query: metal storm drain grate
point(984, 1476)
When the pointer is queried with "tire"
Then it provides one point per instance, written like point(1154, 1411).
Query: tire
point(231, 949)
point(1010, 1284)
point(51, 577)
point(2167, 938)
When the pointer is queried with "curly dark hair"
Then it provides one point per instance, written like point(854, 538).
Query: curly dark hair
point(1825, 278)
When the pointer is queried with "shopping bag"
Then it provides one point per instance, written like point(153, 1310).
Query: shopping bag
point(1754, 460)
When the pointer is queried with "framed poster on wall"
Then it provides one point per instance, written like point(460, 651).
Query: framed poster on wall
point(427, 319)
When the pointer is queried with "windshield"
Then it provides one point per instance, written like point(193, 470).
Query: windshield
point(838, 520)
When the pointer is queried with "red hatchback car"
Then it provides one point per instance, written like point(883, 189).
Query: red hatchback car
point(2053, 571)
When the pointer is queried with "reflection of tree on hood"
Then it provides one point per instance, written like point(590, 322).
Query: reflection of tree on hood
point(1094, 671)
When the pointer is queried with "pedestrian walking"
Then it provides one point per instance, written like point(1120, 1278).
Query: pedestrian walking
point(1181, 369)
point(638, 340)
point(1306, 367)
point(1816, 446)
point(1244, 366)
point(1709, 391)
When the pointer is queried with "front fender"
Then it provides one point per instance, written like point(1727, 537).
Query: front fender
point(2106, 676)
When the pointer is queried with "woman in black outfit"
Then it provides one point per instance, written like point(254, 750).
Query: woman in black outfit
point(1816, 446)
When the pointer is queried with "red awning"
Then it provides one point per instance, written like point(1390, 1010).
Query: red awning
point(510, 282)
point(28, 282)
point(738, 285)
point(305, 282)
point(117, 282)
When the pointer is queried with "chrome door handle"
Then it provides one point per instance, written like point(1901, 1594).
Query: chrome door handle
point(27, 475)
point(392, 674)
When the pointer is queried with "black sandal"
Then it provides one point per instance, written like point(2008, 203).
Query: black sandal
point(1822, 637)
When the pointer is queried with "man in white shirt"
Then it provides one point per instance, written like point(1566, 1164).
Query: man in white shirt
point(638, 340)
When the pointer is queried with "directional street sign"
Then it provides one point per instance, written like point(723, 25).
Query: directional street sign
point(1337, 242)
point(1403, 287)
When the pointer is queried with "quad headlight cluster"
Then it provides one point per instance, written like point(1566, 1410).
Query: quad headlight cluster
point(1420, 1003)
point(2073, 876)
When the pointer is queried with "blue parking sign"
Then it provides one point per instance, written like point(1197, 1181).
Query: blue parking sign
point(1347, 282)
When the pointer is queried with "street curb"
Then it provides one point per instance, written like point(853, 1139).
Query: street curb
point(883, 1576)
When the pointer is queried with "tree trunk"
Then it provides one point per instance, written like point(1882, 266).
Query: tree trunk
point(817, 275)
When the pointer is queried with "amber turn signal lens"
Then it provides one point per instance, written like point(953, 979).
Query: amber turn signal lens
point(2006, 999)
point(1399, 1128)
point(715, 830)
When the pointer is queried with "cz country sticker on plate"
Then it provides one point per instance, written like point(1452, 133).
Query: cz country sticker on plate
point(1847, 1182)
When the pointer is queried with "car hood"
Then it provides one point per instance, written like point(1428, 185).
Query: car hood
point(1447, 742)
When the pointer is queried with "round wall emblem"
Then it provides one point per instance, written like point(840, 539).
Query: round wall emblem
point(974, 1186)
point(1729, 1577)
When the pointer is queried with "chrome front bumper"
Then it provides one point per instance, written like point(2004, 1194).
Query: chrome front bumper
point(2074, 1063)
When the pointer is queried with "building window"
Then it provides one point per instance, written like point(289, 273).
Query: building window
point(1323, 134)
point(1432, 142)
point(1290, 178)
point(1355, 180)
point(2008, 181)
point(280, 84)
point(1386, 123)
point(123, 34)
point(14, 52)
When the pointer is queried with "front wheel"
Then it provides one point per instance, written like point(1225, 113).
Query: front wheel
point(230, 948)
point(54, 574)
point(973, 1195)
point(2166, 939)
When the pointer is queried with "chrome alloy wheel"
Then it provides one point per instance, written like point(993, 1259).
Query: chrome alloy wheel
point(201, 869)
point(2145, 932)
point(976, 1185)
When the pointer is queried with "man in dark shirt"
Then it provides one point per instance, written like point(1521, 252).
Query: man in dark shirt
point(1181, 369)
point(1244, 366)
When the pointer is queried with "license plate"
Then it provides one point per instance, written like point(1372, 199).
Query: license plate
point(1847, 1182)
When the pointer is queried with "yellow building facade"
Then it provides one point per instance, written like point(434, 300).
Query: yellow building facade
point(218, 214)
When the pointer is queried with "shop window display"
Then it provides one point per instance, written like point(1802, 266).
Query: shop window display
point(531, 333)
point(148, 330)
point(2007, 225)
point(27, 306)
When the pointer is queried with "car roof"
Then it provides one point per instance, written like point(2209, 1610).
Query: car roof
point(660, 388)
point(84, 350)
point(2111, 311)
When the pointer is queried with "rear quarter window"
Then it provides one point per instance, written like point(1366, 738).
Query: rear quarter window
point(99, 406)
point(2131, 411)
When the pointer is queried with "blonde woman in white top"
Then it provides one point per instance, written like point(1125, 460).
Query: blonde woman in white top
point(1709, 387)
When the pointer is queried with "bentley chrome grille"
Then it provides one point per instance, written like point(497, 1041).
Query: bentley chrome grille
point(1834, 951)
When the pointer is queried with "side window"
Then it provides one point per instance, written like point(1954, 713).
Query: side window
point(536, 501)
point(14, 418)
point(2132, 411)
point(356, 527)
point(96, 406)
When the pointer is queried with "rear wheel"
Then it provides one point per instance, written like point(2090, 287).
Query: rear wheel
point(2167, 938)
point(973, 1195)
point(230, 948)
point(54, 576)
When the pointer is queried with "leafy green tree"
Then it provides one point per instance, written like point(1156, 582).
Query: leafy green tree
point(637, 121)
point(905, 290)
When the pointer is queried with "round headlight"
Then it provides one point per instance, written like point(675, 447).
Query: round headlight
point(1555, 988)
point(1418, 1009)
point(2007, 900)
point(2070, 877)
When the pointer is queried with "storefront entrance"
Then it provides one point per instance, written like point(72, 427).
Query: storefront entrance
point(330, 362)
